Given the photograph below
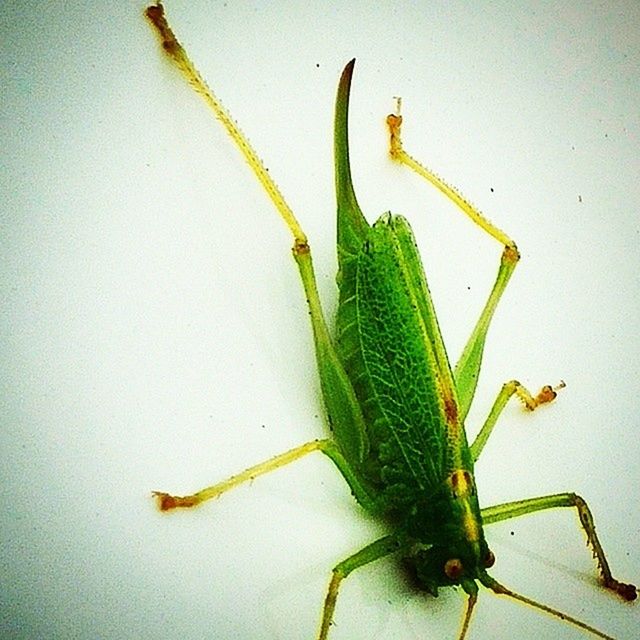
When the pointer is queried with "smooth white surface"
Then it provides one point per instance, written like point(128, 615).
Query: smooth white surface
point(155, 336)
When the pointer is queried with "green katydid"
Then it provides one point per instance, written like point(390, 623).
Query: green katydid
point(395, 406)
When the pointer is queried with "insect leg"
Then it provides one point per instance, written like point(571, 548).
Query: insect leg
point(179, 57)
point(545, 395)
point(374, 551)
point(345, 415)
point(468, 367)
point(397, 152)
point(167, 502)
point(522, 507)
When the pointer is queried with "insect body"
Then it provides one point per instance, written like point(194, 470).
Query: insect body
point(395, 406)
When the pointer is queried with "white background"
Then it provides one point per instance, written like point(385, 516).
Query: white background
point(154, 333)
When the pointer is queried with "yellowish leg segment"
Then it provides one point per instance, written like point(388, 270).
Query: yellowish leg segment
point(178, 55)
point(468, 367)
point(168, 502)
point(374, 551)
point(545, 395)
point(397, 152)
point(342, 406)
point(522, 507)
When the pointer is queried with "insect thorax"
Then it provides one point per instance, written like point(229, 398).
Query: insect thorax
point(445, 538)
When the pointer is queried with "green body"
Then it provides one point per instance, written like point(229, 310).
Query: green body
point(410, 449)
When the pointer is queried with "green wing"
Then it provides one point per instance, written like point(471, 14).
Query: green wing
point(389, 342)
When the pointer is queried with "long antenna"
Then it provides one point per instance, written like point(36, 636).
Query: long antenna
point(500, 589)
point(471, 603)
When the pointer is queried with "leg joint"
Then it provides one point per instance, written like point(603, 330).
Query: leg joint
point(300, 248)
point(511, 253)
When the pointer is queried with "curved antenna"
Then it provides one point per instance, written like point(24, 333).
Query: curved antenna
point(471, 603)
point(500, 589)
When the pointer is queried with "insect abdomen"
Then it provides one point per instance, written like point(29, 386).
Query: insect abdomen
point(391, 361)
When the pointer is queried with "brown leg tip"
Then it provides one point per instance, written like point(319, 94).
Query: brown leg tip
point(547, 394)
point(167, 502)
point(627, 592)
point(155, 13)
point(164, 501)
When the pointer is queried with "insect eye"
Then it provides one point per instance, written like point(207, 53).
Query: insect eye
point(489, 559)
point(453, 568)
